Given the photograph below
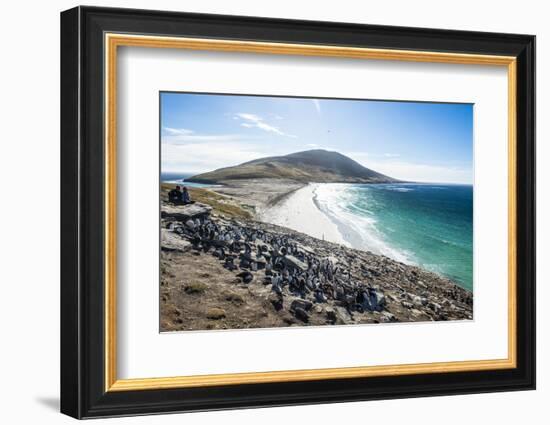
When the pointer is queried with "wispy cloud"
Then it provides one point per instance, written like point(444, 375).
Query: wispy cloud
point(255, 121)
point(312, 145)
point(317, 105)
point(177, 131)
point(178, 136)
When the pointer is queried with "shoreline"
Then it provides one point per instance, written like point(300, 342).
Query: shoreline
point(299, 211)
point(302, 211)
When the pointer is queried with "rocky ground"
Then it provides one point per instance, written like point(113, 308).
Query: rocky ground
point(221, 270)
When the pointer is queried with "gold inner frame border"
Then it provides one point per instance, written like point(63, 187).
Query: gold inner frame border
point(112, 41)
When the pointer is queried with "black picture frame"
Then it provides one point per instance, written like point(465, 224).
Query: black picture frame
point(83, 392)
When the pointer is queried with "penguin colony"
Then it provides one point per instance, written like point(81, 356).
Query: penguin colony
point(300, 278)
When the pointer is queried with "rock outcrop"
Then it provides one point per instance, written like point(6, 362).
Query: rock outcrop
point(183, 213)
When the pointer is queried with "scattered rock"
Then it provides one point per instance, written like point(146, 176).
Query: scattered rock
point(392, 297)
point(435, 307)
point(183, 213)
point(342, 315)
point(416, 313)
point(387, 317)
point(417, 300)
point(303, 304)
point(170, 241)
point(407, 304)
point(294, 263)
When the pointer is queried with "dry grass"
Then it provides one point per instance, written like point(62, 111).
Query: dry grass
point(195, 288)
point(224, 304)
point(220, 204)
point(215, 313)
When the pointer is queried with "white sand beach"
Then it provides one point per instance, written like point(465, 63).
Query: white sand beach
point(299, 212)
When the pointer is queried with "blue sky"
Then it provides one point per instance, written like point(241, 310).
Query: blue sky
point(406, 140)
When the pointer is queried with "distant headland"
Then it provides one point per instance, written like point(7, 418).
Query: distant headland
point(312, 166)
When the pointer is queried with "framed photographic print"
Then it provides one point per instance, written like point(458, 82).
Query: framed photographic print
point(261, 212)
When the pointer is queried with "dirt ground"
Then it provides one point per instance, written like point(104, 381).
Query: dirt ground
point(197, 293)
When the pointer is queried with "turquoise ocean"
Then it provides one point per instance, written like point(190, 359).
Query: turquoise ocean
point(428, 225)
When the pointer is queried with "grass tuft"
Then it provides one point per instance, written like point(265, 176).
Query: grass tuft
point(215, 313)
point(195, 288)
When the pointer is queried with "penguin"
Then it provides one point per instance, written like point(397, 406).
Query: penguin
point(246, 277)
point(319, 296)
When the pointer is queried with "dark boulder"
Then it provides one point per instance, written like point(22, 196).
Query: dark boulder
point(303, 304)
point(301, 314)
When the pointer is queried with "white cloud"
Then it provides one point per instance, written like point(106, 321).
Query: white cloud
point(249, 117)
point(317, 105)
point(312, 145)
point(178, 136)
point(177, 131)
point(392, 155)
point(255, 121)
point(415, 172)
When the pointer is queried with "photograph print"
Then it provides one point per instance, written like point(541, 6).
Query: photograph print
point(292, 211)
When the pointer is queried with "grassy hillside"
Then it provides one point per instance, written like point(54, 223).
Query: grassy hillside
point(314, 166)
point(219, 203)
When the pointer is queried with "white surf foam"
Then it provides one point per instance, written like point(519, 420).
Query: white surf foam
point(322, 211)
point(358, 227)
point(299, 212)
